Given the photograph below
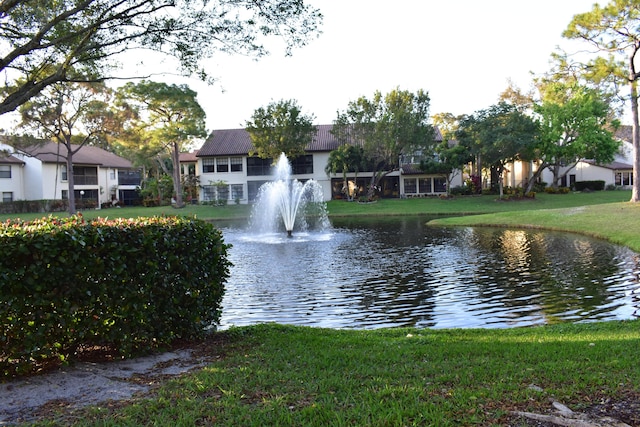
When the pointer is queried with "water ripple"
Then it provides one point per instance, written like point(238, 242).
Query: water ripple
point(399, 272)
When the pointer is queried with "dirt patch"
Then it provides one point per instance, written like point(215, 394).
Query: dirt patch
point(97, 379)
point(624, 411)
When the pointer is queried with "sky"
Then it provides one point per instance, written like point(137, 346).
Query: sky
point(462, 52)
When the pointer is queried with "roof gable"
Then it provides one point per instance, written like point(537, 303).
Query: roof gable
point(9, 159)
point(86, 155)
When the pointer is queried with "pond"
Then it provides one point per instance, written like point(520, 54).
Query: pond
point(391, 272)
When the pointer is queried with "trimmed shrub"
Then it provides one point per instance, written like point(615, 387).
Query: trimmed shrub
point(461, 191)
point(589, 185)
point(125, 284)
point(559, 190)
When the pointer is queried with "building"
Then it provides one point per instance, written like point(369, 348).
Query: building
point(618, 173)
point(227, 172)
point(40, 173)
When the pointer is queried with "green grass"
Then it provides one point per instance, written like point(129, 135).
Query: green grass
point(615, 222)
point(470, 205)
point(270, 375)
point(202, 212)
point(428, 206)
point(285, 375)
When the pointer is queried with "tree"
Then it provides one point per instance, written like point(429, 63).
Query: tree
point(50, 41)
point(387, 127)
point(613, 31)
point(497, 135)
point(347, 158)
point(449, 156)
point(72, 115)
point(167, 119)
point(280, 128)
point(574, 125)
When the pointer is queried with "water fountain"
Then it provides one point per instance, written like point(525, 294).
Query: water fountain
point(289, 203)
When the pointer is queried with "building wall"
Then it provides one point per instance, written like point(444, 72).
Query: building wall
point(241, 178)
point(588, 172)
point(320, 160)
point(51, 181)
point(15, 184)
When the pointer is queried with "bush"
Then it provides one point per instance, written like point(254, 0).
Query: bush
point(589, 185)
point(129, 285)
point(559, 190)
point(540, 187)
point(461, 191)
point(517, 193)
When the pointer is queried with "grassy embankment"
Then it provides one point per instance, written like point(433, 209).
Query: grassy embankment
point(277, 375)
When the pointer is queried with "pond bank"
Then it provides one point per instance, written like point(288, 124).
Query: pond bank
point(617, 223)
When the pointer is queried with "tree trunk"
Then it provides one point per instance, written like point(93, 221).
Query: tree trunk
point(633, 83)
point(71, 183)
point(177, 184)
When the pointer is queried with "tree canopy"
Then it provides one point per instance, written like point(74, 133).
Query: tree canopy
point(574, 125)
point(614, 30)
point(71, 115)
point(47, 41)
point(164, 119)
point(386, 127)
point(280, 127)
point(496, 136)
point(344, 159)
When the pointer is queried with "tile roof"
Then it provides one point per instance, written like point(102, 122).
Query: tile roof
point(613, 165)
point(9, 159)
point(87, 155)
point(226, 142)
point(189, 157)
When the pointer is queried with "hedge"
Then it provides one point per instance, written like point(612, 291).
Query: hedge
point(589, 185)
point(126, 284)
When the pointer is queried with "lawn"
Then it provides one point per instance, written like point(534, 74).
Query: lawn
point(299, 376)
point(271, 375)
point(465, 205)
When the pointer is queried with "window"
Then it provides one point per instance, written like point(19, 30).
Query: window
point(208, 165)
point(7, 197)
point(237, 191)
point(439, 185)
point(85, 175)
point(424, 185)
point(65, 195)
point(112, 174)
point(5, 171)
point(624, 178)
point(222, 164)
point(236, 164)
point(212, 193)
point(129, 177)
point(302, 165)
point(253, 187)
point(208, 193)
point(223, 192)
point(63, 174)
point(257, 166)
point(410, 186)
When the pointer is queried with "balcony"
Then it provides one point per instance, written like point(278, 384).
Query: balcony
point(85, 179)
point(129, 177)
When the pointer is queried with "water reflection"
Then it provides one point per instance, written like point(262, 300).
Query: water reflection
point(398, 272)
